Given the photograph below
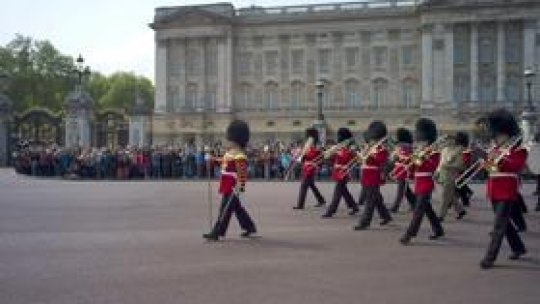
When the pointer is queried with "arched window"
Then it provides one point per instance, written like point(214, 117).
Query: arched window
point(191, 96)
point(408, 93)
point(271, 95)
point(380, 87)
point(245, 96)
point(352, 94)
point(297, 95)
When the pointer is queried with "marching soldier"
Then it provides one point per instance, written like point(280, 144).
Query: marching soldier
point(503, 183)
point(310, 159)
point(400, 173)
point(373, 161)
point(343, 156)
point(449, 167)
point(233, 182)
point(424, 162)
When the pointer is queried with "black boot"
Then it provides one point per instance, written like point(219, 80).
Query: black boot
point(436, 235)
point(248, 233)
point(485, 264)
point(405, 240)
point(211, 236)
point(385, 221)
point(461, 214)
point(517, 255)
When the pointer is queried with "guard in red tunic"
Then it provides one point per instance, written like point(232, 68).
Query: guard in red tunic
point(310, 166)
point(465, 191)
point(342, 158)
point(423, 163)
point(373, 161)
point(400, 172)
point(503, 183)
point(233, 182)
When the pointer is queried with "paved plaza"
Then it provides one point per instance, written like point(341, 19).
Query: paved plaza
point(140, 242)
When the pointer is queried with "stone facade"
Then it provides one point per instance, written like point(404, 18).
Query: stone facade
point(396, 60)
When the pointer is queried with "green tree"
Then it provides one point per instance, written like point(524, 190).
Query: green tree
point(123, 88)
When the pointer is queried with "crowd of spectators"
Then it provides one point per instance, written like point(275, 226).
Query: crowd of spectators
point(265, 161)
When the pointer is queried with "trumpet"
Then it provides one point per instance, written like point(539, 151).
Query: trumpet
point(490, 163)
point(364, 154)
point(419, 155)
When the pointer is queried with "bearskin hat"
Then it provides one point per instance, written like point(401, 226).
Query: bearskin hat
point(404, 136)
point(425, 130)
point(462, 139)
point(343, 134)
point(501, 121)
point(313, 133)
point(377, 130)
point(366, 136)
point(238, 132)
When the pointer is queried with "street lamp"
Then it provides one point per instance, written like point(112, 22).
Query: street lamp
point(320, 92)
point(529, 77)
point(81, 70)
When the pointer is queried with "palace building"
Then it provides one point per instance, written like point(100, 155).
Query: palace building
point(394, 60)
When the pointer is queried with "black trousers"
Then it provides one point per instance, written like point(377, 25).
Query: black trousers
point(340, 191)
point(464, 194)
point(228, 207)
point(516, 213)
point(501, 228)
point(423, 206)
point(305, 184)
point(362, 197)
point(403, 190)
point(374, 199)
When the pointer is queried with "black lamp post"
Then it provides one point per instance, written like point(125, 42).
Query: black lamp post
point(320, 95)
point(529, 77)
point(81, 70)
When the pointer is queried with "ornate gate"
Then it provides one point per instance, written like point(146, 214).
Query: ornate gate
point(38, 126)
point(111, 129)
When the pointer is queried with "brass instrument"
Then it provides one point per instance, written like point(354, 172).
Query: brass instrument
point(296, 160)
point(364, 154)
point(490, 163)
point(419, 155)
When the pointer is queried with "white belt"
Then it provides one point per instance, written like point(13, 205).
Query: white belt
point(340, 166)
point(233, 174)
point(368, 167)
point(423, 174)
point(503, 174)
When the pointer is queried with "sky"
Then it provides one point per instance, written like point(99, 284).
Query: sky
point(112, 35)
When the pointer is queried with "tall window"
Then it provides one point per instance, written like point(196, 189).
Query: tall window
point(324, 61)
point(408, 93)
point(351, 58)
point(487, 88)
point(211, 61)
point(380, 56)
point(173, 102)
point(297, 60)
point(487, 50)
point(513, 45)
point(352, 94)
point(407, 55)
point(461, 88)
point(245, 96)
point(461, 44)
point(271, 59)
point(244, 63)
point(271, 95)
point(379, 92)
point(192, 62)
point(211, 98)
point(297, 95)
point(191, 96)
point(513, 91)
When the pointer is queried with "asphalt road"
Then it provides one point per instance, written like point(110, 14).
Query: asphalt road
point(140, 242)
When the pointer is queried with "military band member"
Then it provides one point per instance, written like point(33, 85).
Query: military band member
point(371, 178)
point(450, 166)
point(341, 176)
point(400, 173)
point(310, 166)
point(233, 182)
point(424, 162)
point(503, 182)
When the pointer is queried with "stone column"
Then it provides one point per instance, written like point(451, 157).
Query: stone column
point(202, 90)
point(161, 77)
point(449, 63)
point(529, 36)
point(474, 62)
point(427, 64)
point(501, 63)
point(225, 70)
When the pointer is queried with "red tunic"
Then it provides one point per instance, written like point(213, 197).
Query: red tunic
point(423, 174)
point(309, 167)
point(342, 157)
point(372, 168)
point(467, 157)
point(233, 170)
point(503, 185)
point(400, 172)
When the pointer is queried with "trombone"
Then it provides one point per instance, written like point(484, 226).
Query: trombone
point(363, 155)
point(418, 155)
point(490, 163)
